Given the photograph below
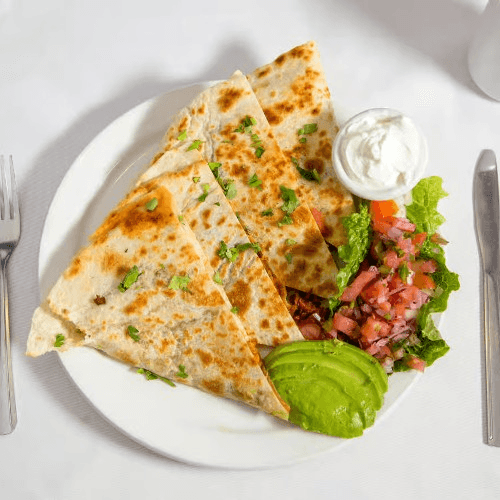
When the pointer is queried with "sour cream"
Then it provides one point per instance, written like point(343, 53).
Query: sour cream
point(380, 154)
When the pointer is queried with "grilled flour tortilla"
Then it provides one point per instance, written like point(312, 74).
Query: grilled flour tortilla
point(227, 125)
point(293, 93)
point(261, 309)
point(142, 291)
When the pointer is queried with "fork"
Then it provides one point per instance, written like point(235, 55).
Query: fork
point(10, 230)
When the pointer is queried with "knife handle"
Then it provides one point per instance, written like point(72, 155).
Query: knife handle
point(491, 329)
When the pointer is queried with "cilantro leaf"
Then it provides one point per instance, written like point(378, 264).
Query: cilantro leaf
point(206, 189)
point(255, 182)
point(60, 339)
point(268, 212)
point(151, 204)
point(309, 175)
point(217, 278)
point(235, 310)
point(179, 283)
point(129, 279)
point(182, 372)
point(232, 254)
point(309, 128)
point(152, 376)
point(182, 136)
point(195, 145)
point(133, 331)
point(290, 199)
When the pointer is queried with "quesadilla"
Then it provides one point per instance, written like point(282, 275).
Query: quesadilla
point(143, 292)
point(238, 268)
point(227, 125)
point(295, 98)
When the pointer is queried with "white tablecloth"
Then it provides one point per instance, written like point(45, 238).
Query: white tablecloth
point(68, 69)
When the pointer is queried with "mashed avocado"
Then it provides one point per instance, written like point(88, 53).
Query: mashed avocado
point(331, 387)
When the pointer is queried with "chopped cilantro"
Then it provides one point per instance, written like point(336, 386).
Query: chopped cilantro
point(235, 310)
point(214, 165)
point(182, 372)
point(229, 188)
point(152, 376)
point(309, 175)
point(286, 221)
point(133, 331)
point(255, 182)
point(181, 218)
point(217, 278)
point(196, 180)
point(268, 212)
point(404, 272)
point(206, 188)
point(259, 151)
point(152, 204)
point(129, 279)
point(182, 136)
point(60, 339)
point(291, 202)
point(289, 257)
point(179, 283)
point(217, 203)
point(195, 145)
point(309, 128)
point(290, 199)
point(303, 139)
point(232, 253)
point(290, 242)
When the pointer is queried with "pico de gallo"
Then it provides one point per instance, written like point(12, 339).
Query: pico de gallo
point(392, 278)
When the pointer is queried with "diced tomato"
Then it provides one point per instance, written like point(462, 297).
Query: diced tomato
point(404, 224)
point(373, 329)
point(343, 324)
point(423, 281)
point(409, 294)
point(425, 266)
point(319, 218)
point(418, 239)
point(353, 290)
point(375, 293)
point(398, 310)
point(382, 209)
point(406, 245)
point(416, 363)
point(385, 227)
point(392, 260)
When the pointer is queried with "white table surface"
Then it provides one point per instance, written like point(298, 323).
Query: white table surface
point(68, 69)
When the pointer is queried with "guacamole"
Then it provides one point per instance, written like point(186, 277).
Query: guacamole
point(332, 387)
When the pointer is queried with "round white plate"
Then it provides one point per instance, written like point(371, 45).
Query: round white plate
point(179, 422)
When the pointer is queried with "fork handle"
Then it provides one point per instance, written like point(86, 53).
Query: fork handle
point(8, 414)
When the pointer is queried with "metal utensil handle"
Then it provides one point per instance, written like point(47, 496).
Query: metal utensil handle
point(8, 414)
point(491, 329)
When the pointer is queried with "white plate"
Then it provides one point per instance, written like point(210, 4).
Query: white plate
point(181, 422)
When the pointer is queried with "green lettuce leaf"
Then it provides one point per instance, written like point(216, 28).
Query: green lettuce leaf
point(422, 211)
point(359, 235)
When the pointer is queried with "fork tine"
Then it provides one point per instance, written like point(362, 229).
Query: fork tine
point(3, 190)
point(14, 199)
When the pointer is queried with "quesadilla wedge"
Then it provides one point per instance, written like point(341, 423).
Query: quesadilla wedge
point(240, 271)
point(142, 291)
point(295, 98)
point(227, 125)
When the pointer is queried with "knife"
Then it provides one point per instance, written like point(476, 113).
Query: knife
point(487, 215)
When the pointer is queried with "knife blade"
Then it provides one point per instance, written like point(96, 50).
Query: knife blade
point(487, 219)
